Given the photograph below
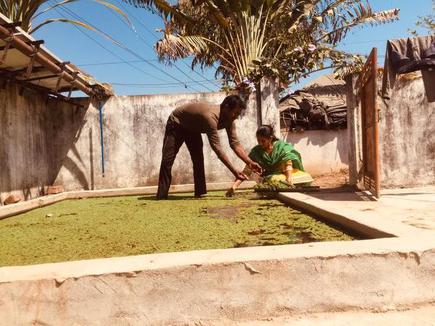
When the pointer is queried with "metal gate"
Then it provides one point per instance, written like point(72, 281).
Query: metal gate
point(367, 91)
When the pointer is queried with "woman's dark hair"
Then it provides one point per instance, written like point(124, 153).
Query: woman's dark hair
point(266, 131)
point(233, 101)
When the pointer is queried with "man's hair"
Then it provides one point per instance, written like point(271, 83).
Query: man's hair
point(233, 101)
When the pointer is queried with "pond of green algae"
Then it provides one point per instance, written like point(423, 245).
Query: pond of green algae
point(122, 226)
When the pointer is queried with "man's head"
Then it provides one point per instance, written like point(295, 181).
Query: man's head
point(231, 107)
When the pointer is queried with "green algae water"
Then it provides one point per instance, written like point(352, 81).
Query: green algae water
point(122, 226)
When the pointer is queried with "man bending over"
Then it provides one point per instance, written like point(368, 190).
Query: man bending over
point(186, 124)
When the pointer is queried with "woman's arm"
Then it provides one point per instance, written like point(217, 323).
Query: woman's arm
point(288, 168)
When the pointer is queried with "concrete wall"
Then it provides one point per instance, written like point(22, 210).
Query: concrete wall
point(45, 142)
point(207, 286)
point(133, 136)
point(322, 151)
point(407, 136)
point(29, 130)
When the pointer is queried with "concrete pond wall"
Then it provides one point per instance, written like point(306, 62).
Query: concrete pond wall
point(226, 286)
point(49, 142)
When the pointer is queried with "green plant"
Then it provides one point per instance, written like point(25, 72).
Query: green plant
point(26, 11)
point(284, 39)
point(426, 22)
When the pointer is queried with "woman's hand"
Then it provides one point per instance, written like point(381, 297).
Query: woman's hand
point(290, 182)
point(288, 173)
point(255, 167)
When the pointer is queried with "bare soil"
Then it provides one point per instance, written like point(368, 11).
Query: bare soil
point(338, 181)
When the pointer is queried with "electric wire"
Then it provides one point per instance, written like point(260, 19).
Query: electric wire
point(150, 45)
point(133, 53)
point(151, 33)
point(112, 52)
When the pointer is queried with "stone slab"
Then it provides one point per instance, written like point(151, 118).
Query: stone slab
point(400, 212)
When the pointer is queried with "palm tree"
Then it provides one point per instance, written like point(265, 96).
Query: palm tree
point(256, 38)
point(26, 11)
point(426, 22)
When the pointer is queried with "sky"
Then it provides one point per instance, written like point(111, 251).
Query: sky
point(134, 69)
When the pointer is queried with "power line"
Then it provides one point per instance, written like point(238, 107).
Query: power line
point(110, 51)
point(76, 16)
point(150, 32)
point(156, 84)
point(150, 45)
point(112, 62)
point(151, 87)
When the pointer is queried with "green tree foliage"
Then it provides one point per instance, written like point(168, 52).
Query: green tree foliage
point(426, 22)
point(26, 11)
point(250, 39)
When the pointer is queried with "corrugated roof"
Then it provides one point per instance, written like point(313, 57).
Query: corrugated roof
point(27, 61)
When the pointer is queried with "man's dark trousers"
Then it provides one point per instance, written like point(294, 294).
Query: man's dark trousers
point(175, 136)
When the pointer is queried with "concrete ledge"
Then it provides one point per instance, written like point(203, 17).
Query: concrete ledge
point(360, 222)
point(14, 209)
point(18, 208)
point(233, 284)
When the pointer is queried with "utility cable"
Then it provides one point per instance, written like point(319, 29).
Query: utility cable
point(150, 45)
point(151, 33)
point(111, 62)
point(76, 16)
point(112, 52)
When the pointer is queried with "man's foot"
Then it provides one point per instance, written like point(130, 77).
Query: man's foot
point(200, 195)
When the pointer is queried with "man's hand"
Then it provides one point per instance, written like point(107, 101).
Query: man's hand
point(230, 192)
point(241, 176)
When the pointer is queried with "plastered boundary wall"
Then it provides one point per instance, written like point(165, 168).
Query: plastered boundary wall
point(231, 284)
point(407, 134)
point(322, 151)
point(133, 129)
point(45, 142)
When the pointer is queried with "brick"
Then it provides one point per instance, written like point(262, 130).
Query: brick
point(52, 190)
point(12, 199)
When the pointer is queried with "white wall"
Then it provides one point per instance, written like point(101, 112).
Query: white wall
point(322, 151)
point(407, 136)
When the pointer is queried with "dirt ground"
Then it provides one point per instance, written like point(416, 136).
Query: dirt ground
point(333, 181)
